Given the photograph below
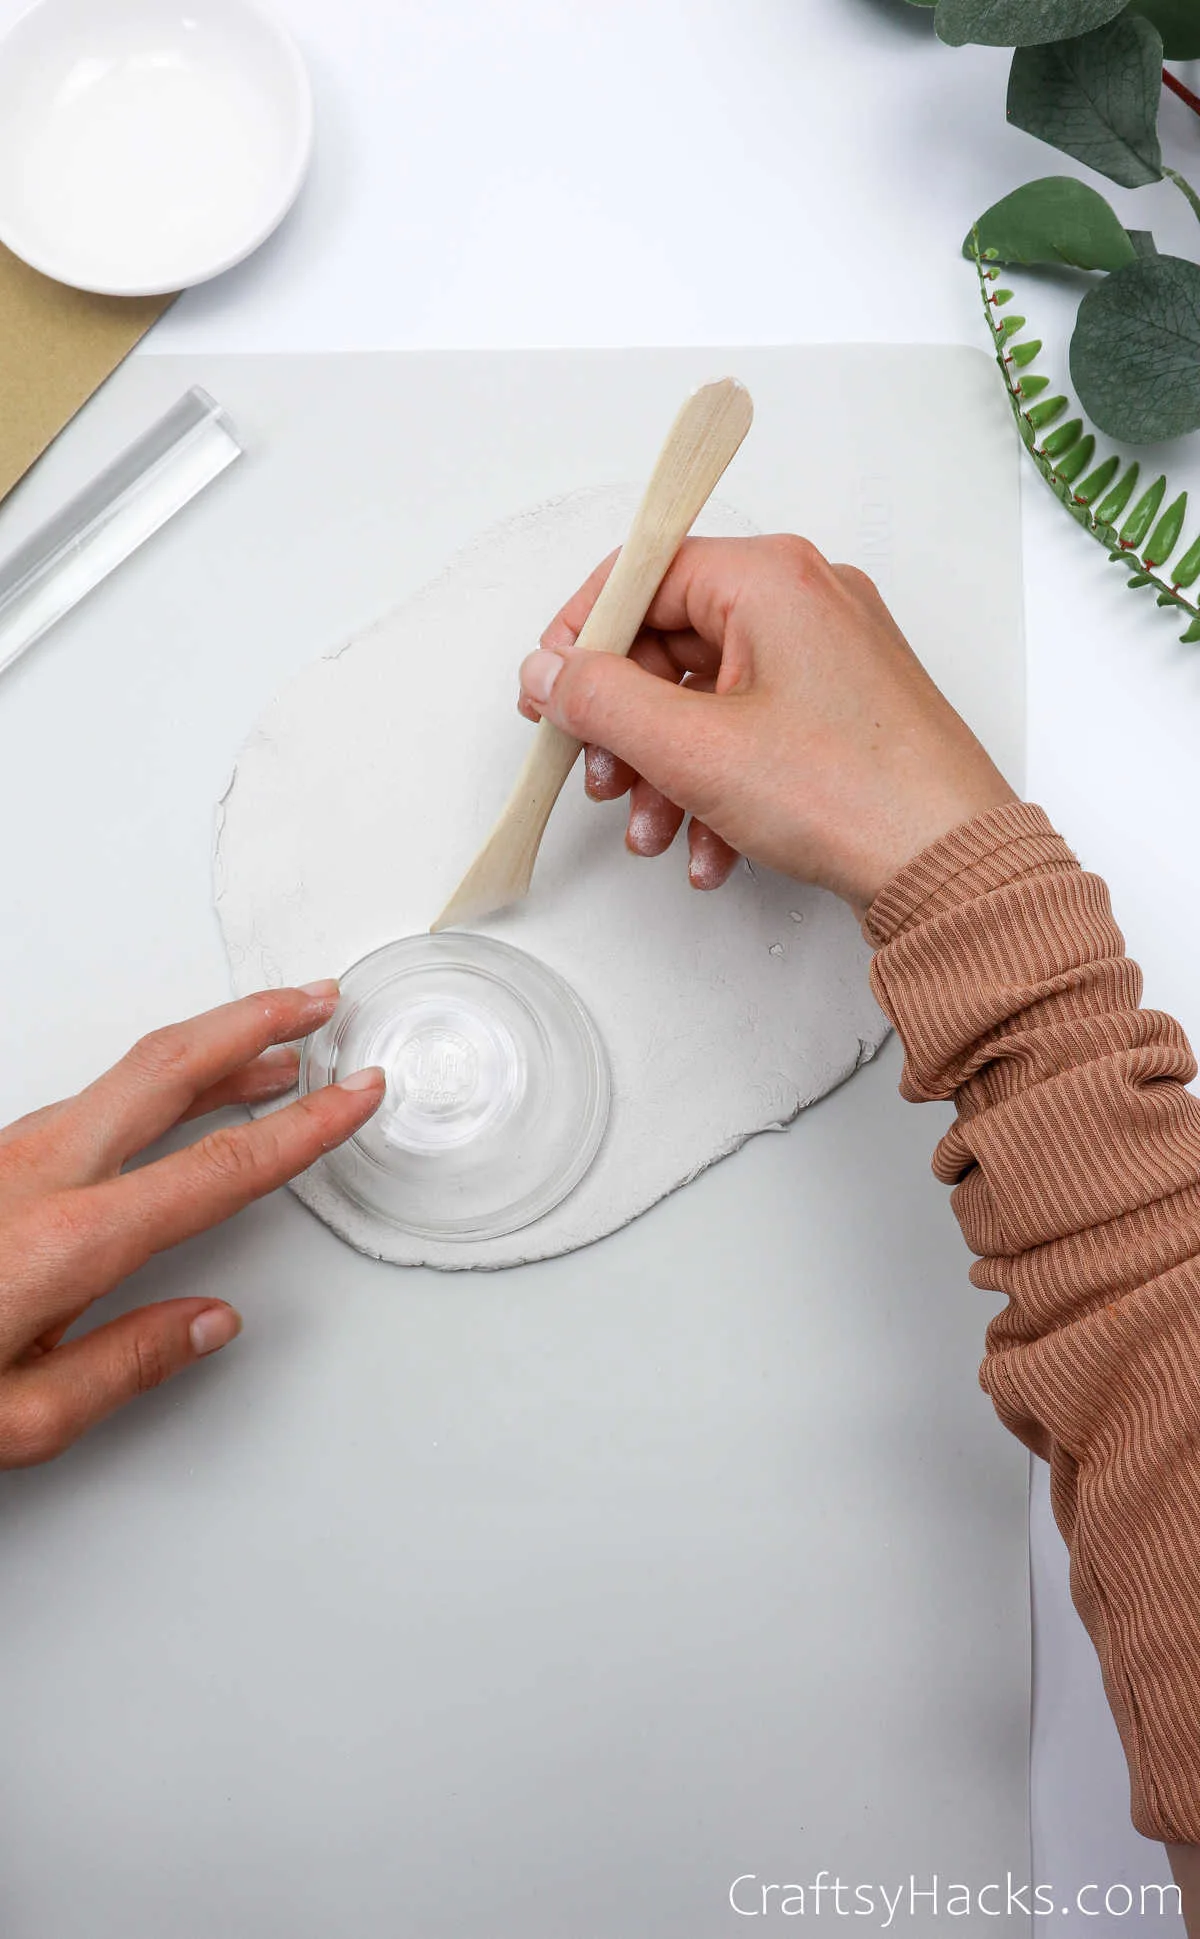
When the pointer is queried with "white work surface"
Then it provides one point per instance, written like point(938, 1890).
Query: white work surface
point(630, 1560)
point(730, 170)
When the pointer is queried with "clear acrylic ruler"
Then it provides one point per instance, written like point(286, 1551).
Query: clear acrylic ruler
point(110, 518)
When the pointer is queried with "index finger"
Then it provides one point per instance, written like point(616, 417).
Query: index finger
point(190, 1190)
point(93, 1134)
point(696, 596)
point(73, 1246)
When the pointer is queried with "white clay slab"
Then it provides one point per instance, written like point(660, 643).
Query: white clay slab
point(367, 784)
point(371, 779)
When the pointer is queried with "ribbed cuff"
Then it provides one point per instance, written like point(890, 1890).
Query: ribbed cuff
point(1003, 846)
point(1074, 1155)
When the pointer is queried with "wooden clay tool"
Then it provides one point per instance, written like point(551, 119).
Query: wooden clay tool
point(702, 441)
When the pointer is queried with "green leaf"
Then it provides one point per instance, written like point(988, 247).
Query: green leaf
point(1053, 220)
point(1187, 571)
point(1178, 21)
point(1024, 353)
point(1099, 480)
point(1019, 23)
point(1109, 511)
point(1139, 580)
point(1095, 98)
point(1076, 461)
point(1165, 536)
point(1135, 354)
point(1192, 635)
point(1143, 242)
point(1031, 387)
point(1137, 524)
point(1064, 439)
point(1039, 415)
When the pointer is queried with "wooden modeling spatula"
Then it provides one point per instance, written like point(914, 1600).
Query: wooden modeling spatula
point(702, 440)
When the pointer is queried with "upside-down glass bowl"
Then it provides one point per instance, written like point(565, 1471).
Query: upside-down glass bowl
point(497, 1086)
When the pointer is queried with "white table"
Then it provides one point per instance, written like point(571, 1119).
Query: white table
point(648, 171)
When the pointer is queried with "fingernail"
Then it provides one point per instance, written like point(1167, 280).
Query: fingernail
point(557, 636)
point(640, 833)
point(371, 1079)
point(328, 986)
point(539, 673)
point(704, 870)
point(214, 1328)
point(601, 768)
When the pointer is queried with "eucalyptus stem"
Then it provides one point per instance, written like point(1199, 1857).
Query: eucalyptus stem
point(1179, 88)
point(1185, 189)
point(1032, 419)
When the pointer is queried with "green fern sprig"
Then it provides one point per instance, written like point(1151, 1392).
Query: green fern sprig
point(1142, 538)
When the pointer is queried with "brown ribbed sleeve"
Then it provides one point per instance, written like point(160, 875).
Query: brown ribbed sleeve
point(1075, 1162)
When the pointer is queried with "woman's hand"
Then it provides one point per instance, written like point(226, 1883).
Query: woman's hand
point(772, 697)
point(72, 1225)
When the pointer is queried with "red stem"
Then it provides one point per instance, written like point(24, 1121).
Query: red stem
point(1185, 94)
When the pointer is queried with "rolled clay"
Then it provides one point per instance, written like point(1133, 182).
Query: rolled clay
point(369, 783)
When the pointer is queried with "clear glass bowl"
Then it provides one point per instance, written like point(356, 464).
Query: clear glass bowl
point(497, 1086)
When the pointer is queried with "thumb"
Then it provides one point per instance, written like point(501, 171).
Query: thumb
point(670, 735)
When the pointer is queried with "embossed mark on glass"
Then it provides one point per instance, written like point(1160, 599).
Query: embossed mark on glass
point(497, 1086)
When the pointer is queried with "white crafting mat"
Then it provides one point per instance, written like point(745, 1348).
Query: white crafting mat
point(549, 1602)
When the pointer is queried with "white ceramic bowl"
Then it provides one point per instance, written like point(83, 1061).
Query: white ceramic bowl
point(146, 145)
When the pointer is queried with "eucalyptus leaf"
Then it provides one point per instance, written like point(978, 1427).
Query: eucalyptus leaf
point(1135, 354)
point(1095, 97)
point(1143, 242)
point(1178, 21)
point(1054, 220)
point(1020, 23)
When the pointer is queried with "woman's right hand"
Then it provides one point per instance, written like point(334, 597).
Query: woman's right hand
point(772, 697)
point(74, 1222)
